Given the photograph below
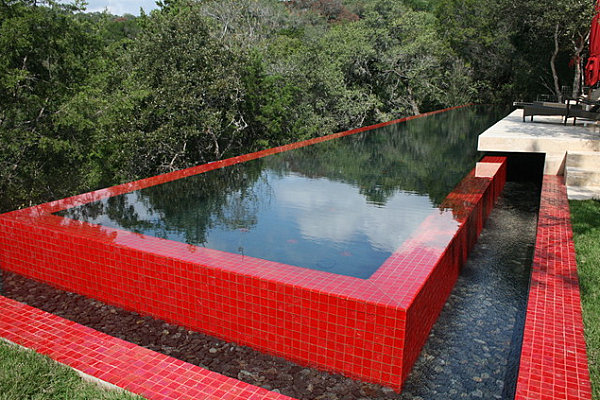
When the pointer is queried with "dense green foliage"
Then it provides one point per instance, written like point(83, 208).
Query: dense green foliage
point(25, 374)
point(585, 217)
point(91, 100)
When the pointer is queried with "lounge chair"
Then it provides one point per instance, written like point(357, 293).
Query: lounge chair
point(584, 109)
point(589, 104)
point(546, 108)
point(578, 112)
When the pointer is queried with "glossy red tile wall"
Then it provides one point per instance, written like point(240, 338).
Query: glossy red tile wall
point(371, 329)
point(340, 323)
point(472, 201)
point(554, 362)
point(151, 374)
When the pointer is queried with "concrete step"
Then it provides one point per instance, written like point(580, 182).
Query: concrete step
point(554, 163)
point(581, 177)
point(583, 192)
point(589, 160)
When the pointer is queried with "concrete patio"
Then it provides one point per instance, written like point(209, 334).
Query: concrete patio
point(570, 150)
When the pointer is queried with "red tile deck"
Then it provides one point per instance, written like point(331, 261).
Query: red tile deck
point(371, 329)
point(134, 368)
point(554, 363)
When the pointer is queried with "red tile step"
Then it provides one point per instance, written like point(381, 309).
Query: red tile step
point(126, 365)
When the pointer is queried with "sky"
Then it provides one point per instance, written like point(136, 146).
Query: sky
point(120, 7)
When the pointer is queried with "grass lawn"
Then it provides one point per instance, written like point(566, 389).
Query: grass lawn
point(585, 217)
point(25, 374)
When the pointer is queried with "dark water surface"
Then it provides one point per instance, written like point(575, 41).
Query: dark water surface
point(342, 206)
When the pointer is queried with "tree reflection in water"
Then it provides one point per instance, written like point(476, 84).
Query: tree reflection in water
point(342, 205)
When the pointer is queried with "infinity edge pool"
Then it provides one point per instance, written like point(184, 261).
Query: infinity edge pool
point(371, 329)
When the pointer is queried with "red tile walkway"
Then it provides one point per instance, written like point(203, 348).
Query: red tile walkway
point(553, 357)
point(137, 369)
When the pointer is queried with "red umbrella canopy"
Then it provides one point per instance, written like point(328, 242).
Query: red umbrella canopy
point(595, 33)
point(592, 68)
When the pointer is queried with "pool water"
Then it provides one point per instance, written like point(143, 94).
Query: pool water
point(342, 206)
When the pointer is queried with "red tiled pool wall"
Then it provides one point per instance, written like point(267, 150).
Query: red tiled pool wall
point(477, 198)
point(361, 339)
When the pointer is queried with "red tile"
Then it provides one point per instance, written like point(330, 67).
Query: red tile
point(160, 376)
point(553, 340)
point(270, 306)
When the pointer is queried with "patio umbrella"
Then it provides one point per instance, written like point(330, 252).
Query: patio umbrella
point(592, 68)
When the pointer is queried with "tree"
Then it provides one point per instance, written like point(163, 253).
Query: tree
point(416, 69)
point(268, 105)
point(190, 111)
point(481, 34)
point(567, 23)
point(332, 10)
point(44, 55)
point(246, 23)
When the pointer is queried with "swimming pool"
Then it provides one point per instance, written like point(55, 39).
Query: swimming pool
point(367, 319)
point(342, 206)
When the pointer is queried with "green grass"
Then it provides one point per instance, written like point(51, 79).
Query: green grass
point(585, 217)
point(25, 374)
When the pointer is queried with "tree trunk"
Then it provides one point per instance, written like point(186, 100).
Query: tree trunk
point(576, 79)
point(578, 47)
point(553, 66)
point(215, 142)
point(413, 104)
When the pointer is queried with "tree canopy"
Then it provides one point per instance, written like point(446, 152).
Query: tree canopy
point(91, 99)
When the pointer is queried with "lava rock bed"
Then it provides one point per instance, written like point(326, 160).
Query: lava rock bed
point(472, 352)
point(230, 359)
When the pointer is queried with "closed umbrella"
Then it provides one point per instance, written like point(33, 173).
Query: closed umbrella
point(592, 68)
